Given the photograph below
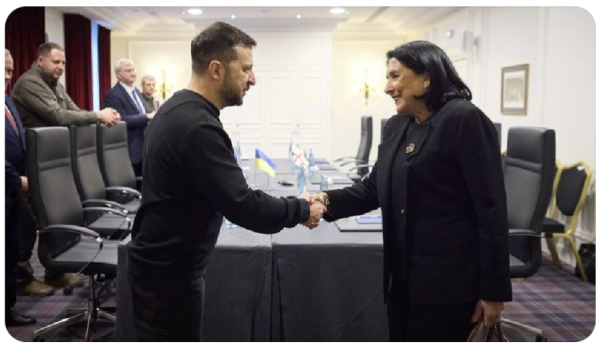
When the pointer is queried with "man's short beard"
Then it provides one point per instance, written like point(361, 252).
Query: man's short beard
point(231, 96)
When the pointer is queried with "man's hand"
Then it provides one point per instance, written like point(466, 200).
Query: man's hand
point(150, 115)
point(317, 209)
point(491, 312)
point(320, 197)
point(24, 190)
point(109, 117)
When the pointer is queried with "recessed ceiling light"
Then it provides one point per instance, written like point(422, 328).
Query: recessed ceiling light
point(194, 11)
point(298, 16)
point(337, 10)
point(233, 16)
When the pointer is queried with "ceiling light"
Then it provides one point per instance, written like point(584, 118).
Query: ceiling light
point(298, 16)
point(194, 11)
point(233, 16)
point(337, 10)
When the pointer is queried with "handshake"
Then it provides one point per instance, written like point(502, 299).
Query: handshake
point(317, 202)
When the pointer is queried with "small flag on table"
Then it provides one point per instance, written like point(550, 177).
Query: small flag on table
point(264, 163)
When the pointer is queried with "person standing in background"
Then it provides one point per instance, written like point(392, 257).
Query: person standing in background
point(148, 87)
point(17, 187)
point(42, 100)
point(127, 100)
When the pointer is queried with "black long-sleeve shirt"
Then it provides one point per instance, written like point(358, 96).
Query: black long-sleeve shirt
point(191, 180)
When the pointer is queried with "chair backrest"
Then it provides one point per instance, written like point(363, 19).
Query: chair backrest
point(113, 156)
point(498, 127)
point(572, 188)
point(528, 176)
point(84, 161)
point(383, 123)
point(366, 140)
point(52, 190)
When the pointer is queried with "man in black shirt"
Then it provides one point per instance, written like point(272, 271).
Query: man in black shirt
point(191, 180)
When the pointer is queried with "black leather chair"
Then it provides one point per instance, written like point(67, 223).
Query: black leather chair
point(361, 160)
point(115, 164)
point(86, 170)
point(498, 127)
point(571, 192)
point(528, 176)
point(383, 123)
point(64, 244)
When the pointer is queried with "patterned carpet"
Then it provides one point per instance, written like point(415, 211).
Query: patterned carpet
point(553, 300)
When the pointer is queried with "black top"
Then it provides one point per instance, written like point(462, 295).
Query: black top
point(412, 140)
point(448, 205)
point(191, 180)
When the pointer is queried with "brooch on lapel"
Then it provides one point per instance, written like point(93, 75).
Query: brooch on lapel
point(410, 148)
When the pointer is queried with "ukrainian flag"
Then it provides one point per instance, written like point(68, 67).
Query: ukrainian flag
point(261, 161)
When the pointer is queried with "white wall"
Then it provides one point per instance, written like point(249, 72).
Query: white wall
point(293, 89)
point(350, 61)
point(55, 29)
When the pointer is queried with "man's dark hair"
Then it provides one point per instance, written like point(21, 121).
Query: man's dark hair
point(217, 42)
point(445, 83)
point(47, 47)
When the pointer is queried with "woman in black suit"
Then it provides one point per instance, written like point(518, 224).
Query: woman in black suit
point(439, 183)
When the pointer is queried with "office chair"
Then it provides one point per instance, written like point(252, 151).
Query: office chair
point(498, 127)
point(528, 177)
point(87, 174)
point(361, 160)
point(115, 164)
point(383, 123)
point(571, 192)
point(64, 245)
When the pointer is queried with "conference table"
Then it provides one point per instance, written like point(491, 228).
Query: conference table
point(295, 285)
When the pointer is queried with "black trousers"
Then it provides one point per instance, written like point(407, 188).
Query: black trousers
point(444, 323)
point(14, 215)
point(168, 310)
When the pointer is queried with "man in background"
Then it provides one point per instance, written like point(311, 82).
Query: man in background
point(42, 100)
point(148, 87)
point(16, 189)
point(127, 100)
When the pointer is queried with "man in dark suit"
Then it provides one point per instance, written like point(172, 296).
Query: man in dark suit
point(128, 101)
point(16, 189)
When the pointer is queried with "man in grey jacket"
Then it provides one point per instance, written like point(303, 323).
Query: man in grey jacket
point(42, 100)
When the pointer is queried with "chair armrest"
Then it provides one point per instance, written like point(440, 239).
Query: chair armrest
point(360, 166)
point(124, 190)
point(72, 228)
point(523, 233)
point(345, 158)
point(355, 161)
point(104, 203)
point(105, 210)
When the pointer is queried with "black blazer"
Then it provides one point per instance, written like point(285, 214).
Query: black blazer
point(118, 99)
point(457, 204)
point(14, 151)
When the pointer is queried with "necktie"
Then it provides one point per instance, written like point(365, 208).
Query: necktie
point(137, 102)
point(11, 120)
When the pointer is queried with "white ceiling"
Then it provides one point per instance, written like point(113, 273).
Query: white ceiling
point(356, 20)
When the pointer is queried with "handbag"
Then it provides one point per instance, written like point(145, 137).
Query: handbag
point(482, 334)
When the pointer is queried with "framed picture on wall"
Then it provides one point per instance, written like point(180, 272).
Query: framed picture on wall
point(515, 80)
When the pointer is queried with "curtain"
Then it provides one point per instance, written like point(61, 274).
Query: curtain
point(105, 71)
point(78, 51)
point(25, 32)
